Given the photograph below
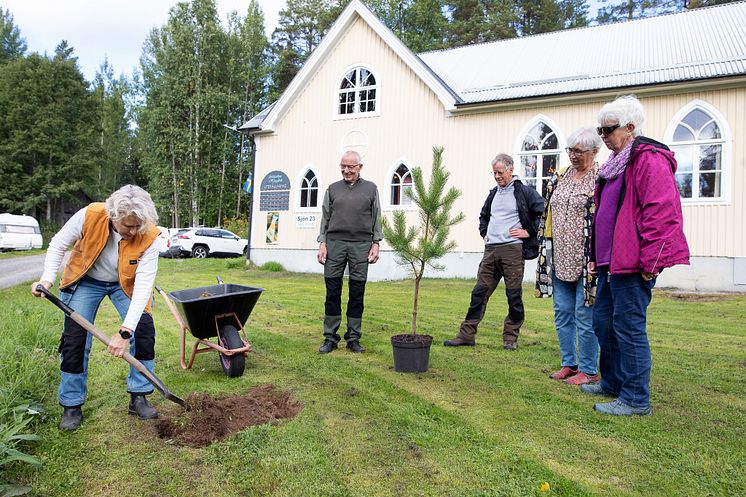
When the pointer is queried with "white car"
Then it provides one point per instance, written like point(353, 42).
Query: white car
point(202, 242)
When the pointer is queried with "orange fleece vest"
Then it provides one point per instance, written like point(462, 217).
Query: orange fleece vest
point(92, 242)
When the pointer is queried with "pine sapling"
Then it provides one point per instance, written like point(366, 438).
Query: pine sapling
point(420, 247)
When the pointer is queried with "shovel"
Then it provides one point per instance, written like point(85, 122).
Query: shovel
point(87, 325)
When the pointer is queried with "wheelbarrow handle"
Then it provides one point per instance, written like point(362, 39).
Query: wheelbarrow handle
point(102, 337)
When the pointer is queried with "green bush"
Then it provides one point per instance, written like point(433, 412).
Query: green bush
point(239, 226)
point(272, 267)
point(48, 230)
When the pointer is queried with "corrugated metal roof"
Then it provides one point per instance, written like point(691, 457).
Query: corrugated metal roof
point(256, 121)
point(697, 44)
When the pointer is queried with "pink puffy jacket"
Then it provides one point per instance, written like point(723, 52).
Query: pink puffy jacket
point(648, 233)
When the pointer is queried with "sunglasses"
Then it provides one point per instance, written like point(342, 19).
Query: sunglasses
point(607, 130)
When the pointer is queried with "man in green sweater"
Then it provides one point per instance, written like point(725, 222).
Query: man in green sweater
point(349, 237)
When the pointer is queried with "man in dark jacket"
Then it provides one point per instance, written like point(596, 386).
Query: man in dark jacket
point(349, 237)
point(508, 223)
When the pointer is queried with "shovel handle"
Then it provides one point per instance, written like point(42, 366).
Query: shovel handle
point(102, 337)
point(53, 299)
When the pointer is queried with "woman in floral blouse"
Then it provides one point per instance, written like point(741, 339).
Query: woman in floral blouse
point(562, 268)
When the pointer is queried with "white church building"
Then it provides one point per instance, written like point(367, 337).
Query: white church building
point(363, 89)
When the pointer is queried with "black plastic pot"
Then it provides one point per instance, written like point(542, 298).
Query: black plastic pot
point(411, 353)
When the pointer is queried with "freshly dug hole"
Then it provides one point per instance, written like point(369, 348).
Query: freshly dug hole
point(207, 419)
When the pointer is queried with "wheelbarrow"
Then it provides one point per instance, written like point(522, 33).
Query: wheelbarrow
point(214, 311)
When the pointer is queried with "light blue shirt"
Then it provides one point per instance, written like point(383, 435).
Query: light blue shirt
point(503, 217)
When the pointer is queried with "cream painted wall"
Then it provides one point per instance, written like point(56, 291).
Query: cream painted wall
point(411, 120)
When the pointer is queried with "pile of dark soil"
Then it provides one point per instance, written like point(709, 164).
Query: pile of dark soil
point(207, 419)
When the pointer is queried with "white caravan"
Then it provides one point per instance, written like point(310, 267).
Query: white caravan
point(19, 233)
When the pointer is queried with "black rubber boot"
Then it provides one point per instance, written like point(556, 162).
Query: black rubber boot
point(139, 407)
point(71, 418)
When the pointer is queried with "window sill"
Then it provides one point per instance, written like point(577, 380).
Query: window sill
point(359, 115)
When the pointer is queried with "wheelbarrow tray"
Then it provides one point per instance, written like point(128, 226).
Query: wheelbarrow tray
point(199, 307)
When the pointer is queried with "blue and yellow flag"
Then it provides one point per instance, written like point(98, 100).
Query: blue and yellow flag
point(247, 184)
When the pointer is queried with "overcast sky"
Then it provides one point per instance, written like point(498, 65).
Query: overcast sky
point(113, 29)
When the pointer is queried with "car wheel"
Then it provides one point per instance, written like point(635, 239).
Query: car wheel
point(200, 252)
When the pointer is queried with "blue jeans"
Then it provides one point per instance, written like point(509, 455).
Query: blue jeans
point(574, 322)
point(85, 297)
point(619, 320)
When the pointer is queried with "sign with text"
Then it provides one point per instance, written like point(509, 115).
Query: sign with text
point(276, 180)
point(306, 221)
point(274, 192)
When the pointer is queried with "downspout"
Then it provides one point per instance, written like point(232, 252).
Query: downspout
point(252, 155)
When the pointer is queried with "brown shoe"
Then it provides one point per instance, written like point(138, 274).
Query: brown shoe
point(457, 342)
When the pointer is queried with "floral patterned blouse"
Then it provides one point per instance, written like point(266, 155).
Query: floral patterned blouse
point(578, 204)
point(568, 204)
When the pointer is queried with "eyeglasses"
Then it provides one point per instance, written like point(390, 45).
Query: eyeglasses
point(348, 167)
point(575, 151)
point(500, 173)
point(607, 130)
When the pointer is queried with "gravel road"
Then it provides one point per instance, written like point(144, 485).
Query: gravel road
point(16, 270)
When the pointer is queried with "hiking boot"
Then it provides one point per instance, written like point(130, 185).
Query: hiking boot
point(582, 379)
point(594, 389)
point(619, 408)
point(71, 418)
point(354, 346)
point(510, 346)
point(457, 342)
point(564, 373)
point(139, 407)
point(327, 347)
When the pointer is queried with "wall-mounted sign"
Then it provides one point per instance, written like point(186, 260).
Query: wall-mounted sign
point(274, 192)
point(276, 180)
point(306, 221)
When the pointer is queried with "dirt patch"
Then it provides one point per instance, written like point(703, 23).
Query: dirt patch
point(699, 297)
point(208, 419)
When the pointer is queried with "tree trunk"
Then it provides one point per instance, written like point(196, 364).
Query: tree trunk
point(416, 302)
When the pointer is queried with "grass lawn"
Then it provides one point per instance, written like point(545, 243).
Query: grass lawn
point(21, 253)
point(481, 422)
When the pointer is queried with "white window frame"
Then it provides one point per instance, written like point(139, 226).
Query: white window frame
point(299, 181)
point(518, 153)
point(726, 155)
point(336, 116)
point(388, 206)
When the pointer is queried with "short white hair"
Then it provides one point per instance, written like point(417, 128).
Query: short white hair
point(355, 154)
point(623, 111)
point(586, 137)
point(131, 200)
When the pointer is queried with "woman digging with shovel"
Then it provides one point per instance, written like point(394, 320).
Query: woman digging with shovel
point(115, 255)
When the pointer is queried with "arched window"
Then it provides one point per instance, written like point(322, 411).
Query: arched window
point(357, 92)
point(401, 181)
point(698, 143)
point(539, 156)
point(309, 190)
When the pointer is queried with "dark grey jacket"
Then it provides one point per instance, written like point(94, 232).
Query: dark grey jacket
point(530, 207)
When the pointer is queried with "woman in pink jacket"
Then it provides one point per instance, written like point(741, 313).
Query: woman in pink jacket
point(637, 232)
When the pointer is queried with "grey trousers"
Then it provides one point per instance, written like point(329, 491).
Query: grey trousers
point(341, 255)
point(501, 262)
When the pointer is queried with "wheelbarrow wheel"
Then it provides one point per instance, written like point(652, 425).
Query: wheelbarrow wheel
point(233, 365)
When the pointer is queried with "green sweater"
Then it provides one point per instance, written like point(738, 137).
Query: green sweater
point(351, 212)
